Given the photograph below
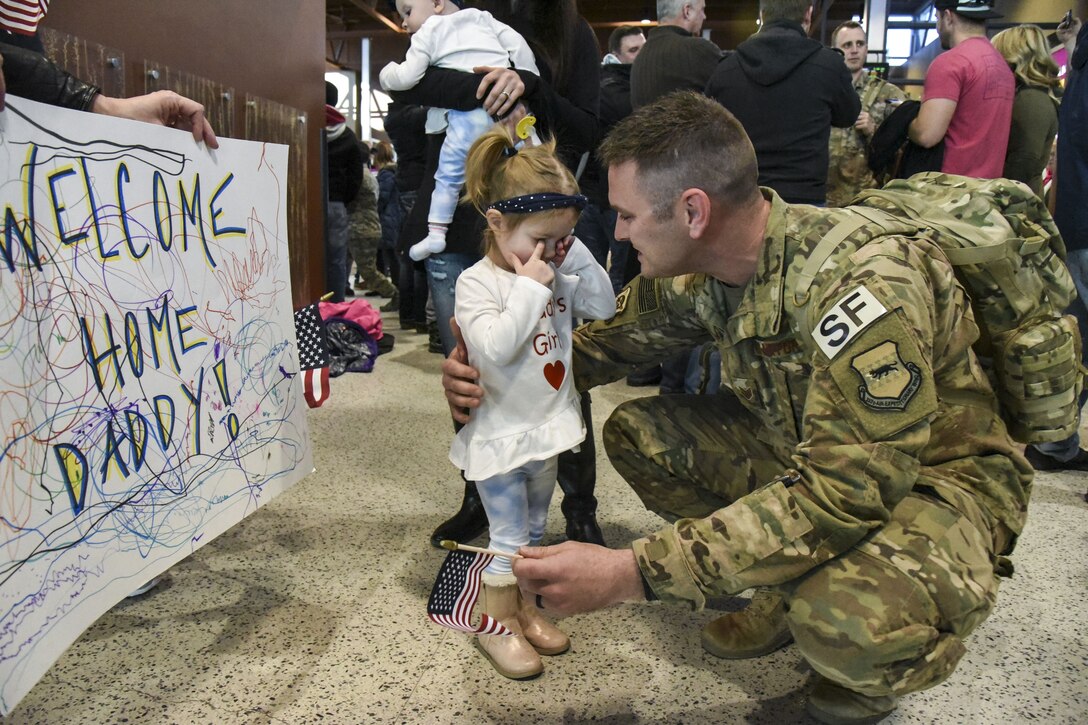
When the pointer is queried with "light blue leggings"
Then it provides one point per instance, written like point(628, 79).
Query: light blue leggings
point(516, 503)
point(463, 128)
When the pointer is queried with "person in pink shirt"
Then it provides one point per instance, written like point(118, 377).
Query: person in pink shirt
point(967, 102)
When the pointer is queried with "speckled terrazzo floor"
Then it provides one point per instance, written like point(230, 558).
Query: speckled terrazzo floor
point(312, 609)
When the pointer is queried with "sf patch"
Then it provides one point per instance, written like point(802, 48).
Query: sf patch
point(847, 319)
point(888, 382)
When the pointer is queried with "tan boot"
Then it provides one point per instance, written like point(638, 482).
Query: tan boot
point(834, 704)
point(753, 632)
point(511, 656)
point(545, 637)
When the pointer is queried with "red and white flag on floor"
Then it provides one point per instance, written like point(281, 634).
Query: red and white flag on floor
point(456, 591)
point(313, 355)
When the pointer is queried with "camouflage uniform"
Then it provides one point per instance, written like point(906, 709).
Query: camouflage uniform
point(365, 235)
point(848, 169)
point(876, 489)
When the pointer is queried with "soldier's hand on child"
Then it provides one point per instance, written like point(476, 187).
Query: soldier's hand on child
point(459, 379)
point(535, 268)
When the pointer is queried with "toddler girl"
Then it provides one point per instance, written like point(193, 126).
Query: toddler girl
point(515, 309)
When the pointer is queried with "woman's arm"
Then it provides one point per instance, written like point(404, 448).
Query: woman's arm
point(30, 75)
point(460, 91)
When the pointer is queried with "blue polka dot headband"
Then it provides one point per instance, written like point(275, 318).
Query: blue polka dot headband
point(530, 203)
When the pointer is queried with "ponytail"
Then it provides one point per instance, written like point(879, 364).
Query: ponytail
point(497, 168)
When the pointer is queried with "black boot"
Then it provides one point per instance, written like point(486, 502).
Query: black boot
point(465, 525)
point(577, 476)
point(434, 339)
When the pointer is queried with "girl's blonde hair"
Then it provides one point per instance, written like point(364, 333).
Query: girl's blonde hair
point(496, 169)
point(1026, 51)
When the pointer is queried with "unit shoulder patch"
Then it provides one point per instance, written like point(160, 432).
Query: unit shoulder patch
point(885, 382)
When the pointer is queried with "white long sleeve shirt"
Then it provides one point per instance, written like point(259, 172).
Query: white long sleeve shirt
point(518, 334)
point(461, 41)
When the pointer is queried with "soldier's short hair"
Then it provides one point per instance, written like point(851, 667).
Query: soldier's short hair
point(852, 24)
point(685, 141)
point(615, 40)
point(772, 10)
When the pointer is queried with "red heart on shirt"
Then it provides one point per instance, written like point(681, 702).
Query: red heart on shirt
point(554, 372)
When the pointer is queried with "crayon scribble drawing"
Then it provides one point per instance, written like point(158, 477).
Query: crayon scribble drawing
point(147, 395)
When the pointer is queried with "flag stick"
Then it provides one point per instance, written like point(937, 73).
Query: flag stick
point(454, 546)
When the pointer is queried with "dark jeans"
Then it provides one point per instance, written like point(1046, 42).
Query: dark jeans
point(412, 277)
point(442, 272)
point(336, 251)
point(595, 228)
point(413, 289)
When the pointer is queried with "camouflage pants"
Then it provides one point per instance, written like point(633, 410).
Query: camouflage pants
point(886, 617)
point(363, 245)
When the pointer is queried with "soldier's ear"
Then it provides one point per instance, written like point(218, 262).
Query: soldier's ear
point(696, 208)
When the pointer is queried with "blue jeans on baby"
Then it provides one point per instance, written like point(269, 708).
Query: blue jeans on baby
point(516, 503)
point(464, 127)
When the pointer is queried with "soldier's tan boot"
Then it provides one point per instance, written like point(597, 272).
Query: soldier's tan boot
point(545, 637)
point(752, 632)
point(511, 656)
point(836, 705)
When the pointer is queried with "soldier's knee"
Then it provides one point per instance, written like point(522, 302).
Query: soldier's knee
point(874, 632)
point(620, 430)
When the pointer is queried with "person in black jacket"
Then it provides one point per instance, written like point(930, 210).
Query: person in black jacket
point(787, 90)
point(345, 174)
point(565, 101)
point(406, 126)
point(598, 222)
point(30, 75)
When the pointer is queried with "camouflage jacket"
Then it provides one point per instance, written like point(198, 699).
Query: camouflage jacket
point(363, 211)
point(872, 391)
point(848, 157)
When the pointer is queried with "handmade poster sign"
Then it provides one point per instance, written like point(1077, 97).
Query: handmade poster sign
point(149, 388)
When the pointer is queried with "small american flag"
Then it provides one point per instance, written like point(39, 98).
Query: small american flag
point(456, 591)
point(313, 355)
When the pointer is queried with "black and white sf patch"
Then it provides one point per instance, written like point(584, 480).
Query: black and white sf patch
point(857, 309)
point(888, 382)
